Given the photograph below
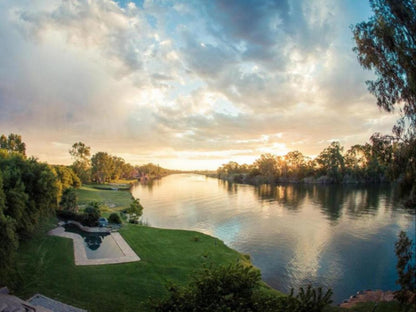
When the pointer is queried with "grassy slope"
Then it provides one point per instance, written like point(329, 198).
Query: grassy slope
point(47, 266)
point(116, 200)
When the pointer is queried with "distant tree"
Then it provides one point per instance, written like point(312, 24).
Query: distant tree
point(102, 167)
point(357, 159)
point(69, 200)
point(13, 143)
point(81, 165)
point(296, 163)
point(387, 45)
point(80, 151)
point(406, 269)
point(331, 161)
point(118, 164)
point(267, 165)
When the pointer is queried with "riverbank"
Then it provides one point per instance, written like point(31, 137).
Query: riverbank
point(46, 263)
point(257, 180)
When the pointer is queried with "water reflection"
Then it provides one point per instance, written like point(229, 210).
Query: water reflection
point(337, 236)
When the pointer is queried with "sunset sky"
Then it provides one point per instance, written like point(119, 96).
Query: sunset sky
point(184, 84)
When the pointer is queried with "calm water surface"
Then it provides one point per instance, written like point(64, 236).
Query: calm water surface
point(333, 236)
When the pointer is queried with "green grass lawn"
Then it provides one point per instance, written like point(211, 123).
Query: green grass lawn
point(115, 199)
point(46, 265)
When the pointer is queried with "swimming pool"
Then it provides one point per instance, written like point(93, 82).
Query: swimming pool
point(97, 245)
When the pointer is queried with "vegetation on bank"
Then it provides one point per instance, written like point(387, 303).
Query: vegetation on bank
point(29, 192)
point(384, 159)
point(46, 265)
point(103, 167)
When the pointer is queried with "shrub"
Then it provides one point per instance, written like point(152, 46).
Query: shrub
point(114, 218)
point(91, 214)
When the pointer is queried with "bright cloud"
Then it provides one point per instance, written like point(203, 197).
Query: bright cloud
point(184, 84)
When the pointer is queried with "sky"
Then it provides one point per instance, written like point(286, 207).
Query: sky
point(184, 84)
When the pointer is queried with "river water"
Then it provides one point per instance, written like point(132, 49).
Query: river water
point(340, 237)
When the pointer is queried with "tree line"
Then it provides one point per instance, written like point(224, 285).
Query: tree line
point(383, 159)
point(29, 191)
point(103, 167)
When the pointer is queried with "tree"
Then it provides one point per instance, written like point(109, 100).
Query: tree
point(387, 45)
point(406, 270)
point(136, 208)
point(69, 200)
point(102, 167)
point(296, 164)
point(267, 165)
point(81, 165)
point(331, 161)
point(13, 143)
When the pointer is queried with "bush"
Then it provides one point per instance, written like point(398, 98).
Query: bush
point(91, 214)
point(114, 218)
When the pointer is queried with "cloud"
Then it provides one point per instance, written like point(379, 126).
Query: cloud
point(175, 80)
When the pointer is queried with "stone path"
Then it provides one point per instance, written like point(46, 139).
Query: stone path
point(80, 254)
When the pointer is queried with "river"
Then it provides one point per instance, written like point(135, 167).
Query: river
point(340, 237)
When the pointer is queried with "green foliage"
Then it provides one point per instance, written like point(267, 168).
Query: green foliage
point(406, 269)
point(311, 300)
point(8, 238)
point(237, 288)
point(136, 208)
point(383, 159)
point(386, 44)
point(81, 165)
point(331, 161)
point(69, 200)
point(65, 178)
point(103, 167)
point(91, 214)
point(13, 143)
point(28, 192)
point(114, 218)
point(214, 289)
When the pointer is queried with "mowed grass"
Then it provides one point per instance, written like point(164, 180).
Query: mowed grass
point(115, 199)
point(46, 265)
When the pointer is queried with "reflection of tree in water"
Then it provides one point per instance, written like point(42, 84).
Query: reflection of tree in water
point(330, 198)
point(149, 184)
point(291, 196)
point(94, 241)
point(355, 200)
point(362, 201)
point(231, 188)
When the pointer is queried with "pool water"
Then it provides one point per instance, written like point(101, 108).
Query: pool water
point(97, 245)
